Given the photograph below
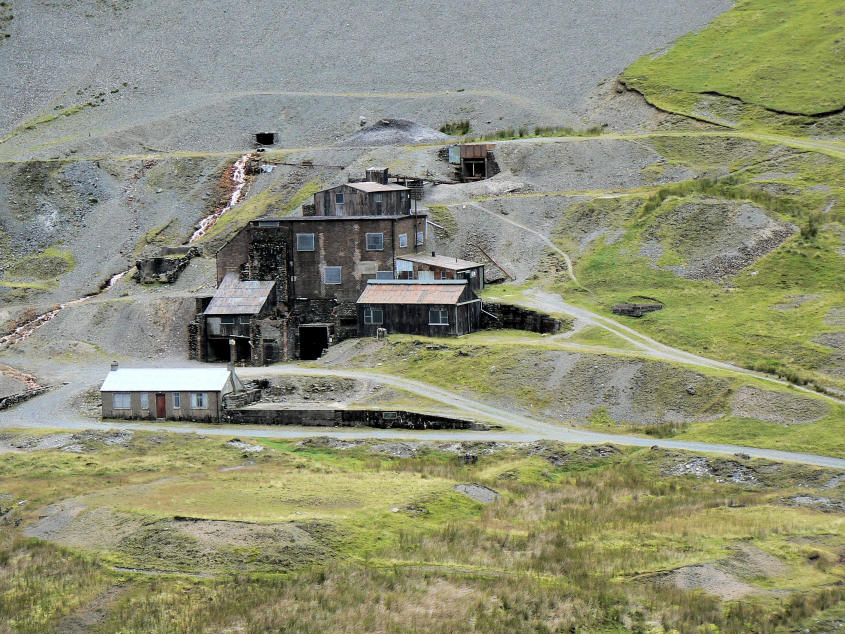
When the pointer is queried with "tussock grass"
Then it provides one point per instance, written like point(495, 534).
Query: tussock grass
point(577, 544)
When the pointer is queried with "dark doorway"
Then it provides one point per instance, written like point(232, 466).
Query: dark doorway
point(271, 352)
point(313, 340)
point(160, 410)
point(265, 138)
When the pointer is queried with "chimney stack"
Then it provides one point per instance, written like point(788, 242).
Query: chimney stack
point(114, 366)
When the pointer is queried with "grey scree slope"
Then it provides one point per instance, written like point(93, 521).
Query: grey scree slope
point(197, 71)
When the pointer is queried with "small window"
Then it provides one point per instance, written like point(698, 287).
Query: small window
point(244, 320)
point(375, 242)
point(420, 237)
point(122, 400)
point(384, 275)
point(403, 239)
point(177, 400)
point(438, 317)
point(373, 316)
point(227, 321)
point(444, 275)
point(332, 275)
point(268, 223)
point(304, 241)
point(199, 400)
point(145, 400)
point(338, 198)
point(378, 198)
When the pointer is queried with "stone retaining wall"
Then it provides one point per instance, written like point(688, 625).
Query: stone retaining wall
point(349, 418)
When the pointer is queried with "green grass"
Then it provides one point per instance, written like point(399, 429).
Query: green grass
point(783, 56)
point(575, 540)
point(40, 271)
point(259, 205)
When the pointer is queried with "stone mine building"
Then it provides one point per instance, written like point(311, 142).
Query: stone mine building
point(287, 287)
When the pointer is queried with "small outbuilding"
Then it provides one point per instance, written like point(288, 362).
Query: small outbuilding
point(194, 394)
point(419, 307)
point(440, 267)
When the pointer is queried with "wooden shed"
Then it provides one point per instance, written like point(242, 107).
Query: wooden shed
point(440, 267)
point(419, 307)
point(366, 198)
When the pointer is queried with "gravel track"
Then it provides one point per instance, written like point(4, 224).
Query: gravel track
point(51, 411)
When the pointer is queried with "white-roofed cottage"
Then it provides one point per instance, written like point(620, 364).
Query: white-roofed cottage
point(167, 393)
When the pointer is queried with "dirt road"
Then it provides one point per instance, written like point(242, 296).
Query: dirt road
point(54, 410)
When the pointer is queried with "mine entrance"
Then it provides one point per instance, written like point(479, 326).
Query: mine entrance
point(271, 352)
point(313, 340)
point(265, 138)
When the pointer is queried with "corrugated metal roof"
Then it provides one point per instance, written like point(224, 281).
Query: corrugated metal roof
point(441, 261)
point(369, 186)
point(166, 380)
point(412, 292)
point(236, 297)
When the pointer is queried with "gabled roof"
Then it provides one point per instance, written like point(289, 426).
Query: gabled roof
point(369, 186)
point(166, 380)
point(441, 261)
point(236, 297)
point(412, 292)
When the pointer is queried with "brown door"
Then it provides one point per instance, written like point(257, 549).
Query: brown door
point(160, 411)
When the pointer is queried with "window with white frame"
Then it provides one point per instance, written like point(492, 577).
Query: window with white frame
point(438, 317)
point(177, 400)
point(403, 239)
point(444, 275)
point(375, 242)
point(304, 241)
point(373, 316)
point(145, 400)
point(199, 400)
point(384, 275)
point(332, 275)
point(122, 400)
point(339, 203)
point(420, 237)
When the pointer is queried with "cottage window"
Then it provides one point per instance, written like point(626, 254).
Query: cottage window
point(384, 275)
point(145, 400)
point(332, 275)
point(199, 400)
point(438, 317)
point(177, 400)
point(420, 237)
point(304, 241)
point(122, 400)
point(373, 316)
point(375, 242)
point(444, 275)
point(403, 239)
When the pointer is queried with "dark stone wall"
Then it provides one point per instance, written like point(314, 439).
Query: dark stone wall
point(13, 399)
point(519, 318)
point(348, 418)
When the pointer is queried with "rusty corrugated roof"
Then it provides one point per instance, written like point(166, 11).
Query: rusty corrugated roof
point(412, 292)
point(441, 261)
point(236, 297)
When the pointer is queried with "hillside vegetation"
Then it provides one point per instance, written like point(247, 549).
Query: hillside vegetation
point(158, 533)
point(786, 57)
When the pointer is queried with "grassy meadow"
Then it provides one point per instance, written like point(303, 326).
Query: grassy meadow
point(580, 538)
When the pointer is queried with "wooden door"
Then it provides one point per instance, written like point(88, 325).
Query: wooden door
point(160, 411)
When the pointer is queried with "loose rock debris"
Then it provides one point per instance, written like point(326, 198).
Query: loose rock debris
point(478, 492)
